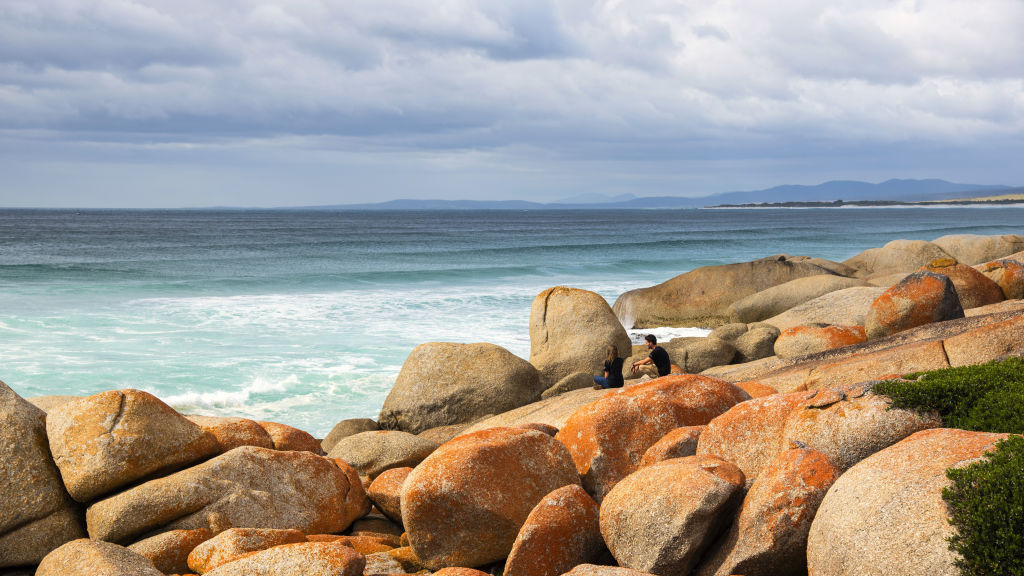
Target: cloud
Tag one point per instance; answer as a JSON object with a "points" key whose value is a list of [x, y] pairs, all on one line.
{"points": [[534, 83]]}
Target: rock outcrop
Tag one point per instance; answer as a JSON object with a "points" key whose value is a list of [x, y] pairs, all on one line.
{"points": [[886, 516], [36, 513], [804, 340], [371, 453], [777, 299], [847, 307], [608, 437], [918, 299], [662, 517], [896, 256], [1008, 275], [973, 288], [443, 383], [569, 331], [111, 439], [975, 249], [466, 503], [702, 296], [246, 487]]}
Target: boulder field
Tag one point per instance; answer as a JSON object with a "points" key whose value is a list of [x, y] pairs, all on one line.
{"points": [[767, 452]]}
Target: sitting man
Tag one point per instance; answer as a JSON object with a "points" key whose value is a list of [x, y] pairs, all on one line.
{"points": [[658, 355]]}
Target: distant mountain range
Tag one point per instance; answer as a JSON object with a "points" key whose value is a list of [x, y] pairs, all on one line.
{"points": [[846, 190]]}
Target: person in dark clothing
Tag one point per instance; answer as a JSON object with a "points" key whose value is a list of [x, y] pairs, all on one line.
{"points": [[612, 370], [658, 356]]}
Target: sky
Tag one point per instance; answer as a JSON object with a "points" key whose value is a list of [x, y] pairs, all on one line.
{"points": [[171, 103]]}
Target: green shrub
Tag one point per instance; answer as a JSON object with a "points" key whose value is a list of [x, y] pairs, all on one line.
{"points": [[986, 503], [987, 398]]}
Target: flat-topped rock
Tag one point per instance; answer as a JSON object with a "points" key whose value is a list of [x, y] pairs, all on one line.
{"points": [[777, 299], [846, 307], [895, 256], [975, 248]]}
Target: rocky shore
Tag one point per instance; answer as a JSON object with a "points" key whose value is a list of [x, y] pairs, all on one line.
{"points": [[766, 452]]}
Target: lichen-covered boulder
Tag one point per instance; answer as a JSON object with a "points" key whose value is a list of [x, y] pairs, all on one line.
{"points": [[111, 439], [235, 543], [920, 298], [570, 329], [896, 256], [371, 453], [976, 248], [244, 488], [1008, 275], [661, 518], [886, 515], [598, 570], [347, 428], [608, 437], [804, 340], [769, 537], [678, 443], [562, 531], [232, 432], [702, 297], [777, 299], [465, 504], [287, 437], [168, 551], [300, 559], [443, 383], [972, 287], [91, 558], [386, 492], [36, 513]]}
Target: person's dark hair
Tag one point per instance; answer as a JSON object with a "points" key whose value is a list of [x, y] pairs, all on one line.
{"points": [[651, 338], [611, 354]]}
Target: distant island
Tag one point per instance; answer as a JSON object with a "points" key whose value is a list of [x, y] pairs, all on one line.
{"points": [[894, 192]]}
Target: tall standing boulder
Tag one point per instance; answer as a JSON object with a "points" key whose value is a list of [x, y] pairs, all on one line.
{"points": [[570, 329], [442, 383], [247, 487], [972, 287], [662, 517], [975, 249], [113, 438], [608, 437], [466, 503], [36, 514], [702, 296], [918, 299], [886, 515]]}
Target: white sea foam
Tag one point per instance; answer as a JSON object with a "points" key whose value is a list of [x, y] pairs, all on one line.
{"points": [[664, 334]]}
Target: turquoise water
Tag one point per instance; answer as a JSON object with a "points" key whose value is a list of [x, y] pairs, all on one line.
{"points": [[305, 317]]}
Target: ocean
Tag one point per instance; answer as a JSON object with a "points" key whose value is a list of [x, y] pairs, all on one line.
{"points": [[305, 316]]}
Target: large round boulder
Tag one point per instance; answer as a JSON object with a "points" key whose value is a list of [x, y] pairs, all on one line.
{"points": [[113, 438], [886, 515], [36, 514], [608, 437], [662, 517], [777, 299], [975, 248], [804, 340], [702, 296], [371, 453], [756, 343], [247, 487], [972, 287], [466, 503], [769, 537], [920, 298], [570, 329], [896, 256], [561, 532], [847, 307], [1008, 275], [347, 428], [443, 383], [287, 437], [703, 353], [232, 432]]}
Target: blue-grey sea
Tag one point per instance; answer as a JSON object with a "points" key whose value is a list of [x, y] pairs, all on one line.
{"points": [[305, 317]]}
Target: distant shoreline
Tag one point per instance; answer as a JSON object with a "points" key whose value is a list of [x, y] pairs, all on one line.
{"points": [[874, 203]]}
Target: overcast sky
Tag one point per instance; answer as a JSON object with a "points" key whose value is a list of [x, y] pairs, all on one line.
{"points": [[165, 103]]}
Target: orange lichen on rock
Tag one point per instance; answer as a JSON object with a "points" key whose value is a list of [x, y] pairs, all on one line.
{"points": [[803, 340], [560, 532], [918, 299], [233, 432], [678, 443], [757, 389], [465, 503], [1008, 275], [287, 437], [235, 543], [169, 551], [300, 559], [608, 437], [974, 288], [386, 492]]}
